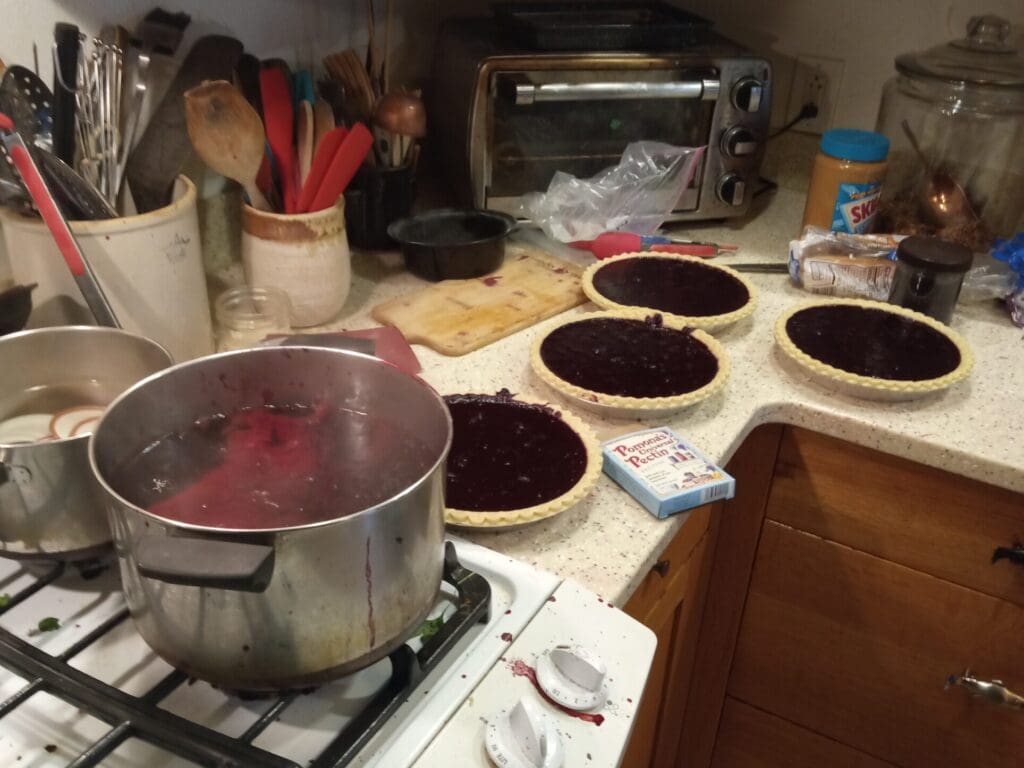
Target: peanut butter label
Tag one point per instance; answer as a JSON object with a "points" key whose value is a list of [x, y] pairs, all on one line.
{"points": [[856, 206]]}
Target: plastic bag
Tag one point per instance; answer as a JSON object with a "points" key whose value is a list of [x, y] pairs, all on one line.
{"points": [[636, 195]]}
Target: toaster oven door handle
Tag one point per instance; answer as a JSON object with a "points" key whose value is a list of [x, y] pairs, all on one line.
{"points": [[524, 92]]}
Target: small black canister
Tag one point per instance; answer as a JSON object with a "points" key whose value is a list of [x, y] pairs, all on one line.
{"points": [[928, 276]]}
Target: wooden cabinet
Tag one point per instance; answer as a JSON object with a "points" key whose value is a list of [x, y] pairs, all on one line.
{"points": [[917, 516], [667, 602], [857, 649], [670, 601], [843, 587], [751, 738]]}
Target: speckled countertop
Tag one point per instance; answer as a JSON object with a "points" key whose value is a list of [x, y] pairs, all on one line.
{"points": [[609, 542]]}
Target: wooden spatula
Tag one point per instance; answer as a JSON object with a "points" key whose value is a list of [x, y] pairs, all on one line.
{"points": [[323, 121], [304, 139], [227, 134]]}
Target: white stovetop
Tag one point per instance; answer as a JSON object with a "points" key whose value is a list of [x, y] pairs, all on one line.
{"points": [[526, 619]]}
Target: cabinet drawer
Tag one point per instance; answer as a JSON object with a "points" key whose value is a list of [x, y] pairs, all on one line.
{"points": [[858, 649], [751, 738], [921, 517]]}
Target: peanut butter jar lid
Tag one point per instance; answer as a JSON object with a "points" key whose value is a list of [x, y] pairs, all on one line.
{"points": [[856, 145]]}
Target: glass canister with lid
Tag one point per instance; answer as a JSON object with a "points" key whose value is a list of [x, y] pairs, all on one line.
{"points": [[963, 104]]}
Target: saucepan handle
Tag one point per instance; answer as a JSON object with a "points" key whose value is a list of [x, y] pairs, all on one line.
{"points": [[233, 565]]}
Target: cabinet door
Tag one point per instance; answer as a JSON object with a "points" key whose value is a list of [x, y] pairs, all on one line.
{"points": [[858, 649], [751, 738], [667, 601], [645, 726]]}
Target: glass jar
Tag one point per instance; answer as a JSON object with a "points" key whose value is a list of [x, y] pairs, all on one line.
{"points": [[246, 316], [929, 274], [963, 102], [846, 181]]}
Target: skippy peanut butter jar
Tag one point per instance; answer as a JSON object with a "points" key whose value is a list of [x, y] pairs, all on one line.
{"points": [[846, 181]]}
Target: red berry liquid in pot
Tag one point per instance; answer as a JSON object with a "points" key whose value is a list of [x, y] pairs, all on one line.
{"points": [[271, 467]]}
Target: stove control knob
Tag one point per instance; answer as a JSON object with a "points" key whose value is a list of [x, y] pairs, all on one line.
{"points": [[738, 142], [747, 94], [732, 189], [524, 738], [573, 677]]}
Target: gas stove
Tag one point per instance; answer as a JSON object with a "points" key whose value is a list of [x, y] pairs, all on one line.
{"points": [[514, 667]]}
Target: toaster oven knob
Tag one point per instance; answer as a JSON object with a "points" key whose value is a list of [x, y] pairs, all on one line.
{"points": [[738, 142], [732, 189], [747, 94]]}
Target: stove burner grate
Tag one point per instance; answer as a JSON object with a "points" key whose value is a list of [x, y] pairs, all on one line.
{"points": [[141, 717]]}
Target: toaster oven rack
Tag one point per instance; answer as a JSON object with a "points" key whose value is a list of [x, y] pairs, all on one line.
{"points": [[141, 716]]}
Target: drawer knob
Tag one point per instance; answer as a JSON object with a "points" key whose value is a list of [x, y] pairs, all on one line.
{"points": [[1014, 554], [661, 567], [991, 690]]}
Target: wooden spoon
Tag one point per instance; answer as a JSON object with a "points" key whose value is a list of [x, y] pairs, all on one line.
{"points": [[227, 134], [304, 139], [323, 121]]}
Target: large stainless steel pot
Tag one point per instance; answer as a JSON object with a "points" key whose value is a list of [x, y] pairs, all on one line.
{"points": [[287, 607], [51, 506]]}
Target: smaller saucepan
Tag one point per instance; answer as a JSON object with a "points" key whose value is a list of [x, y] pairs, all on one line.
{"points": [[453, 244], [53, 384]]}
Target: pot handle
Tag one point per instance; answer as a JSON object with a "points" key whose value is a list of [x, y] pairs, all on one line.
{"points": [[210, 563]]}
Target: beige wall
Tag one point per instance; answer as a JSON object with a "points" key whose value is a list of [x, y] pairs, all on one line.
{"points": [[867, 35]]}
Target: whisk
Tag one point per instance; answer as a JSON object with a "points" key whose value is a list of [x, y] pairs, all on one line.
{"points": [[98, 124]]}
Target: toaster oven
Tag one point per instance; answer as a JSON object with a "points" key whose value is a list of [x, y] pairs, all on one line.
{"points": [[504, 119]]}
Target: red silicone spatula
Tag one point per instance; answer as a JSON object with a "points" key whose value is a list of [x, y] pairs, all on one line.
{"points": [[322, 158], [343, 167], [68, 246], [610, 244], [278, 116]]}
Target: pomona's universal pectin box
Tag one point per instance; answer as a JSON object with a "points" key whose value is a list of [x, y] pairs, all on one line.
{"points": [[664, 472]]}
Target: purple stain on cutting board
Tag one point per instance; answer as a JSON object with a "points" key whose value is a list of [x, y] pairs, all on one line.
{"points": [[491, 281]]}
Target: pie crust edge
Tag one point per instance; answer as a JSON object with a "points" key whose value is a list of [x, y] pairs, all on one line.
{"points": [[513, 517], [704, 322], [819, 368], [666, 403]]}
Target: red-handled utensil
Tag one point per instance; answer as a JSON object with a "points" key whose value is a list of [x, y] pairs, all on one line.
{"points": [[278, 117], [609, 244], [84, 276], [322, 158], [343, 167]]}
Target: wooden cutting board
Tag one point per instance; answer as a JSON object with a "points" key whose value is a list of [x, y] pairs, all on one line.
{"points": [[457, 316]]}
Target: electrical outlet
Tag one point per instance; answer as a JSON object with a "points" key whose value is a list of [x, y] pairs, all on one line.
{"points": [[816, 80]]}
